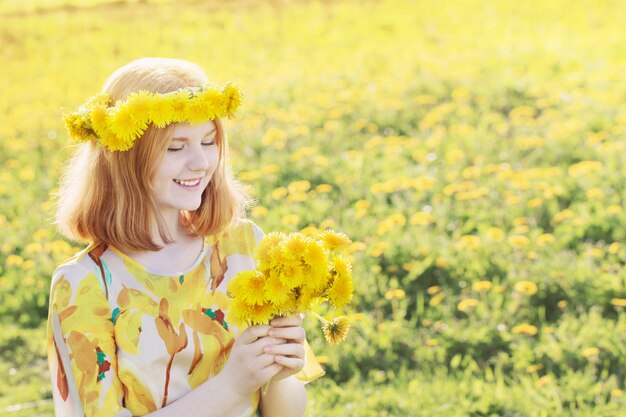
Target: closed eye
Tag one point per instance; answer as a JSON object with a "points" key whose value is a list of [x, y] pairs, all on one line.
{"points": [[181, 147]]}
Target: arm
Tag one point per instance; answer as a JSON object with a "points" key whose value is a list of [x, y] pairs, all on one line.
{"points": [[286, 396]]}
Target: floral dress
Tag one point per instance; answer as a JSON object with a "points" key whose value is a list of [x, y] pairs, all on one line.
{"points": [[125, 341]]}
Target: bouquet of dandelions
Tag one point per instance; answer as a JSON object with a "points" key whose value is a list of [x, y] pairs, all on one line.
{"points": [[295, 272]]}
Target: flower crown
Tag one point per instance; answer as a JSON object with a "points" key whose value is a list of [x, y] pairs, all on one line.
{"points": [[118, 127]]}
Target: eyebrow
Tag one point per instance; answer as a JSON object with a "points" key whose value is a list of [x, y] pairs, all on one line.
{"points": [[185, 138]]}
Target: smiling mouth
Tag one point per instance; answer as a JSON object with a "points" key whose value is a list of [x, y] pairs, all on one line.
{"points": [[188, 183]]}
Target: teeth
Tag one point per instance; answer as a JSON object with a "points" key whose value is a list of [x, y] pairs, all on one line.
{"points": [[188, 183]]}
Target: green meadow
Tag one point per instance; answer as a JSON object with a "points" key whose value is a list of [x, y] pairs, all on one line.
{"points": [[474, 151]]}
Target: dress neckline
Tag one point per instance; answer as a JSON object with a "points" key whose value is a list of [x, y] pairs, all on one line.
{"points": [[156, 272]]}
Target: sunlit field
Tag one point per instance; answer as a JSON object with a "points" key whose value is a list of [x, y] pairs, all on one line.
{"points": [[474, 151]]}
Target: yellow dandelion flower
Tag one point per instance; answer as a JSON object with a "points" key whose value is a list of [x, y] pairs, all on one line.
{"points": [[275, 292], [315, 254], [261, 313], [125, 127], [482, 286], [525, 328], [590, 352], [99, 120], [233, 97], [295, 245], [618, 302], [74, 122], [526, 287], [251, 290], [334, 240], [467, 305], [291, 274], [178, 105], [139, 105], [336, 330], [340, 293], [239, 312], [433, 290]]}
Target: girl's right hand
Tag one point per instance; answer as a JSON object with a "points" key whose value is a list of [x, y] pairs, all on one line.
{"points": [[248, 367]]}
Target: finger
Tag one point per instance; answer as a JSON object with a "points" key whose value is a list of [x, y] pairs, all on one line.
{"points": [[287, 349], [286, 321], [292, 333], [252, 333], [263, 361], [292, 363], [269, 371], [258, 346]]}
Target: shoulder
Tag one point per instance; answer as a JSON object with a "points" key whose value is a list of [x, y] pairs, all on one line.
{"points": [[76, 268], [242, 228], [240, 237]]}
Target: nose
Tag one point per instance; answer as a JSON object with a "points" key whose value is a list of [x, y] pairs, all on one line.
{"points": [[199, 161]]}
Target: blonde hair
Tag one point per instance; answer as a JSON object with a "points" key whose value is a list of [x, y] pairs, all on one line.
{"points": [[107, 197]]}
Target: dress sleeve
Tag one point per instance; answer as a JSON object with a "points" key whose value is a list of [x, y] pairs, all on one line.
{"points": [[81, 347], [312, 369]]}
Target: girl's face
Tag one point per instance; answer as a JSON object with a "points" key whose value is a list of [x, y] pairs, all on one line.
{"points": [[187, 167]]}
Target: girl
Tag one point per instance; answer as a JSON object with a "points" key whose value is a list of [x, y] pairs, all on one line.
{"points": [[138, 321]]}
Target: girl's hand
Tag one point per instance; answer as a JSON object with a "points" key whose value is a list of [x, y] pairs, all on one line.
{"points": [[290, 353], [249, 367]]}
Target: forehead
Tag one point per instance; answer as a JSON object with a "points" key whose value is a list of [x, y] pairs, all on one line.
{"points": [[185, 130]]}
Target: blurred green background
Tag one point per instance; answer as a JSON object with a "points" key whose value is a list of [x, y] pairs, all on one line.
{"points": [[473, 150]]}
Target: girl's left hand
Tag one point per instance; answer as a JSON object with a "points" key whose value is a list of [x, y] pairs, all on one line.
{"points": [[291, 353]]}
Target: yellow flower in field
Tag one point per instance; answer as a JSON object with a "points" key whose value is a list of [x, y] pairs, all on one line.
{"points": [[545, 239], [544, 380], [526, 287], [595, 194], [421, 218], [260, 211], [495, 233], [469, 242], [467, 305], [518, 241], [614, 209], [290, 219], [380, 248], [394, 293], [535, 202], [584, 168], [562, 304], [534, 368], [527, 329], [334, 240], [433, 290], [618, 302], [324, 188], [436, 300], [275, 137], [14, 260], [299, 187], [279, 193], [441, 263], [590, 352], [614, 248], [431, 342], [336, 330], [482, 286], [617, 393]]}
